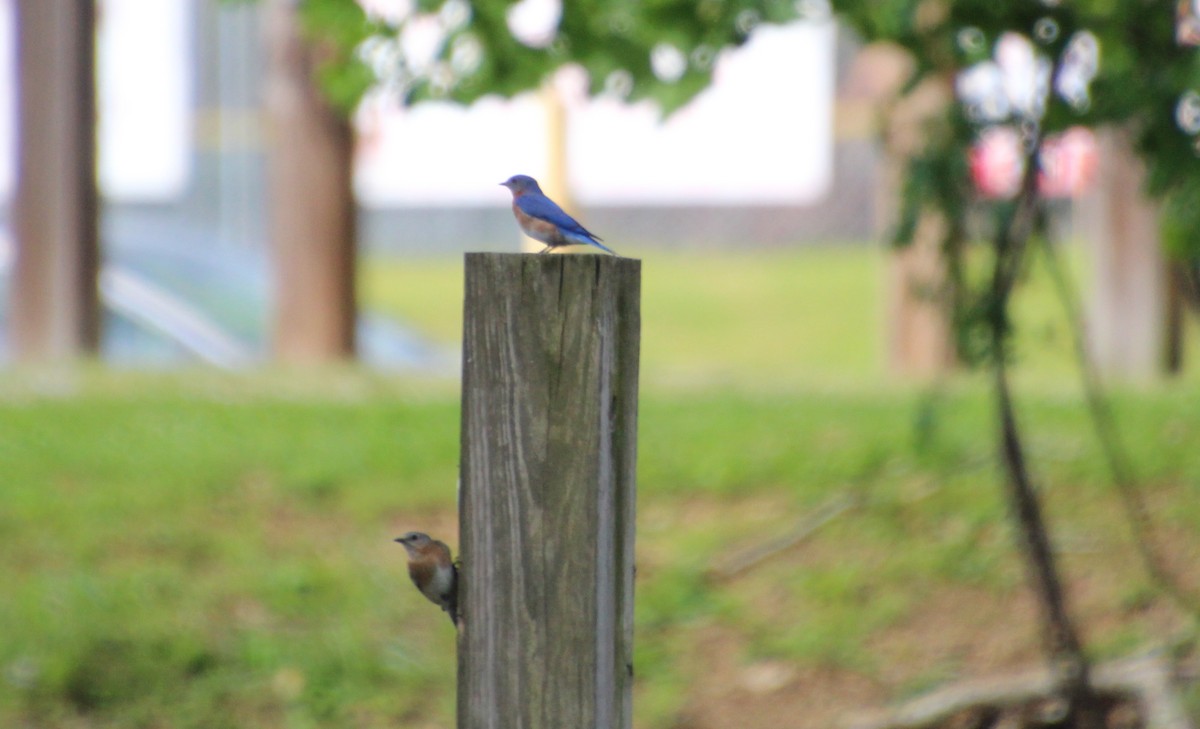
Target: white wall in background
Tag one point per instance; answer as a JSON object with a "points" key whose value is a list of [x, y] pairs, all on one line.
{"points": [[144, 76], [762, 133]]}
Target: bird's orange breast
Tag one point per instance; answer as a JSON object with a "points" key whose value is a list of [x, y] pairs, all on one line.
{"points": [[421, 571], [537, 228]]}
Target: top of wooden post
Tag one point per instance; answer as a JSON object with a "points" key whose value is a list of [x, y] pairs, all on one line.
{"points": [[600, 261]]}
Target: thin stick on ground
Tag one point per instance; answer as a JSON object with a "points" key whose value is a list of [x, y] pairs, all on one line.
{"points": [[747, 560]]}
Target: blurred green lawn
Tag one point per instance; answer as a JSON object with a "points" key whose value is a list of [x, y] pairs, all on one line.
{"points": [[706, 318], [208, 550], [798, 316]]}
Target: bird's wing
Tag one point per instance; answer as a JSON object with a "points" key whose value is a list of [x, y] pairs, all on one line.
{"points": [[451, 606], [543, 208]]}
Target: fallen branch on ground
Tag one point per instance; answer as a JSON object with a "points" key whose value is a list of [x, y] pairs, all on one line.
{"points": [[1148, 680]]}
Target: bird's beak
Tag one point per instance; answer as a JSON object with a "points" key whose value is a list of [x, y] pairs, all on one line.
{"points": [[399, 539]]}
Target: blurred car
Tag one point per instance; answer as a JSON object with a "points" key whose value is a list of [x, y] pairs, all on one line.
{"points": [[174, 296]]}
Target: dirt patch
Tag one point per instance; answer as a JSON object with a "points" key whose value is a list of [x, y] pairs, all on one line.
{"points": [[953, 632], [730, 693]]}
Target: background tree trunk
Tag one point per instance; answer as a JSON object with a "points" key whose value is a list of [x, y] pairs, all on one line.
{"points": [[55, 306], [1127, 320], [920, 340], [312, 215]]}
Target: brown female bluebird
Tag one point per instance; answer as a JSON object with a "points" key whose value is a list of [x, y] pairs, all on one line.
{"points": [[542, 219], [432, 571]]}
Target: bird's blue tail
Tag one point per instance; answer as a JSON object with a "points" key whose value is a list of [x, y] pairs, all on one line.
{"points": [[584, 240]]}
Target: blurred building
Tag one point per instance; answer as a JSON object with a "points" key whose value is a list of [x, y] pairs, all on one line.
{"points": [[754, 161]]}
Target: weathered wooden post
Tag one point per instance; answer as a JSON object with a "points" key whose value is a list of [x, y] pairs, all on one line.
{"points": [[549, 446]]}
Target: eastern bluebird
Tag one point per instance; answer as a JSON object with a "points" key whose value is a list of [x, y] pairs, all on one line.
{"points": [[542, 219], [432, 571]]}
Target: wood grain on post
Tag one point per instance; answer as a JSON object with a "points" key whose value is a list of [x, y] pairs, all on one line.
{"points": [[549, 445]]}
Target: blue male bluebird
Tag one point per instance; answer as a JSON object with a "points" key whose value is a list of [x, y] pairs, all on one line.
{"points": [[543, 220], [432, 571]]}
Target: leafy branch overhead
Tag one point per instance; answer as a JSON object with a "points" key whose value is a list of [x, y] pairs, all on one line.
{"points": [[665, 51], [1090, 64], [1139, 78], [460, 50]]}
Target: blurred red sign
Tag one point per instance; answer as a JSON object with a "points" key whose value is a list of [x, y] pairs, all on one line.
{"points": [[1068, 163], [1187, 23]]}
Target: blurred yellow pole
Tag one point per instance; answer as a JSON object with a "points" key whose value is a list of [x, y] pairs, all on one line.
{"points": [[554, 179]]}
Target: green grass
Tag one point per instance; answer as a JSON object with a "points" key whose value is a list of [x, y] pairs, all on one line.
{"points": [[205, 550], [795, 317], [176, 552], [184, 554], [705, 318]]}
